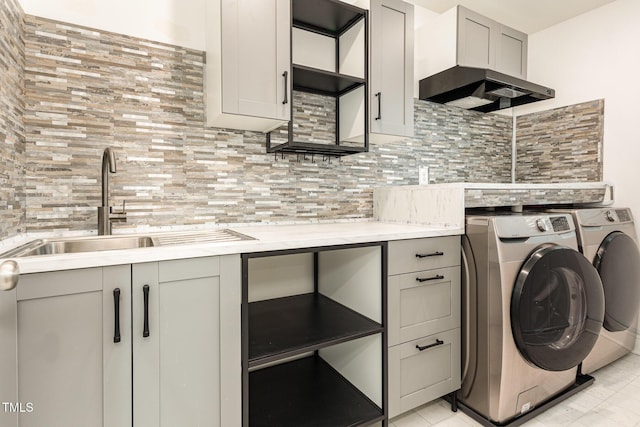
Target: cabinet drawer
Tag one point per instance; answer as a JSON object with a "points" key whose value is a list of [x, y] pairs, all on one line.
{"points": [[423, 303], [417, 377], [406, 256]]}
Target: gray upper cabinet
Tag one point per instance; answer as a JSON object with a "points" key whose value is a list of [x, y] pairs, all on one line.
{"points": [[391, 94], [248, 80], [511, 52], [461, 36], [485, 43], [476, 39]]}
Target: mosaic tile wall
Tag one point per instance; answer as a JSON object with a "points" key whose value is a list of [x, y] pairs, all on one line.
{"points": [[12, 148], [87, 89], [559, 145]]}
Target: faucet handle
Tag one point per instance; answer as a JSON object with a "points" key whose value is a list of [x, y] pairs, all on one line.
{"points": [[118, 216]]}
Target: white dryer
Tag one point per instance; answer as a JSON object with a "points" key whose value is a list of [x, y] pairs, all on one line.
{"points": [[607, 238], [533, 307]]}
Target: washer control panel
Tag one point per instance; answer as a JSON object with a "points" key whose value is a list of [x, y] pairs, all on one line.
{"points": [[560, 223], [530, 225]]}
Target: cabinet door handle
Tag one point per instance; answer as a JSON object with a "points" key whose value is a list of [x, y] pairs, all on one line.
{"points": [[438, 253], [426, 279], [145, 292], [424, 347], [379, 96], [286, 85], [116, 308]]}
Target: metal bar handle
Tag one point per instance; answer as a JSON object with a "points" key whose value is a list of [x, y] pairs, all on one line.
{"points": [[426, 279], [437, 253], [116, 308], [424, 347], [286, 85], [145, 292], [379, 96]]}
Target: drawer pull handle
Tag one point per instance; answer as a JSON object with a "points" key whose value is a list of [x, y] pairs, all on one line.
{"points": [[145, 326], [438, 253], [426, 279], [424, 347], [116, 309]]}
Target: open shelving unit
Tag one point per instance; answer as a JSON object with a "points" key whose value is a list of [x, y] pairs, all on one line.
{"points": [[331, 19], [294, 346]]}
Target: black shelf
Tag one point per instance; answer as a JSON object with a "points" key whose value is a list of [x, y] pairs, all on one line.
{"points": [[289, 326], [307, 393], [329, 17], [314, 80], [296, 147]]}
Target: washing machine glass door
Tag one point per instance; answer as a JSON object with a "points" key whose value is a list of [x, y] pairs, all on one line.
{"points": [[557, 308], [618, 263]]}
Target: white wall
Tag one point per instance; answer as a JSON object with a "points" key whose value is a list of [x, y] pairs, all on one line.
{"points": [[179, 22]]}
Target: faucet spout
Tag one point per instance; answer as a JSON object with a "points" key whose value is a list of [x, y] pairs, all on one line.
{"points": [[108, 165], [105, 215]]}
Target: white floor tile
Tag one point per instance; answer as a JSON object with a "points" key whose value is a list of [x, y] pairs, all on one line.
{"points": [[410, 419], [436, 411], [612, 401]]}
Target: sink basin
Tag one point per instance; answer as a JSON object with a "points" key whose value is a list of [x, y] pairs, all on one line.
{"points": [[109, 243], [82, 244]]}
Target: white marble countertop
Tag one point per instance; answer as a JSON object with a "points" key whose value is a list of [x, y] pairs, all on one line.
{"points": [[267, 238]]}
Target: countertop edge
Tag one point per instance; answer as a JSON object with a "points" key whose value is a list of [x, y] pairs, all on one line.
{"points": [[268, 238]]}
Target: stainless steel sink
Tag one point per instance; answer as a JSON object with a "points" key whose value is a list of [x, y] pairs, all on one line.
{"points": [[82, 244], [108, 243]]}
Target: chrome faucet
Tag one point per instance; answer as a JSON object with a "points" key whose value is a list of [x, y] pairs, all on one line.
{"points": [[105, 214]]}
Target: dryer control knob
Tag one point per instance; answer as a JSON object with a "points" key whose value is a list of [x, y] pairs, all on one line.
{"points": [[610, 216], [541, 225]]}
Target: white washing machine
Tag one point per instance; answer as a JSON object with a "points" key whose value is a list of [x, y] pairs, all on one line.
{"points": [[532, 310], [607, 238]]}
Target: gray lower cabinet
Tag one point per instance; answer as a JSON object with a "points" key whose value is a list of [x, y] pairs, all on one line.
{"points": [[424, 321], [76, 365]]}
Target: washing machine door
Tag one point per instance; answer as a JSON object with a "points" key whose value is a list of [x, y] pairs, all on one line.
{"points": [[557, 308], [618, 263]]}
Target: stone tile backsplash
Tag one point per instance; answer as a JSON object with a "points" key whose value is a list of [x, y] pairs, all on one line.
{"points": [[560, 145], [86, 89], [12, 147]]}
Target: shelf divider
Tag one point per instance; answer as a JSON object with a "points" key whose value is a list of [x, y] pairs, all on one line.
{"points": [[323, 82], [285, 327]]}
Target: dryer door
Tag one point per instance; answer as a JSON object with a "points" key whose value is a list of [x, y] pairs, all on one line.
{"points": [[557, 308], [618, 263]]}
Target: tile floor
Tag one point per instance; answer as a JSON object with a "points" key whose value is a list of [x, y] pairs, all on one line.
{"points": [[612, 400]]}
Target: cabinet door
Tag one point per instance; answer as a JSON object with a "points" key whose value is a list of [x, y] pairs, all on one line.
{"points": [[391, 94], [423, 370], [477, 39], [423, 303], [255, 57], [188, 359], [511, 53], [69, 370]]}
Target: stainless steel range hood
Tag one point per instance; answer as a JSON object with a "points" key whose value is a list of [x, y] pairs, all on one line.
{"points": [[480, 89]]}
